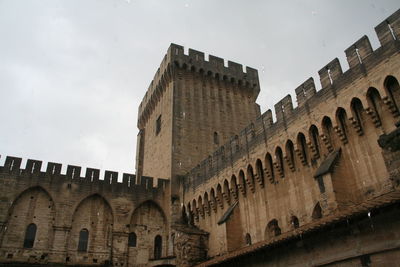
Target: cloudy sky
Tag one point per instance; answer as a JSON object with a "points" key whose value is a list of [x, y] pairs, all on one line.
{"points": [[72, 73]]}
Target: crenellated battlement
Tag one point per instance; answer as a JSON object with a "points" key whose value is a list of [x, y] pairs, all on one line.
{"points": [[361, 59], [52, 174], [195, 61]]}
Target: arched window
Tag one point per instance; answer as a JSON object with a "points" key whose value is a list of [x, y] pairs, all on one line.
{"points": [[295, 222], [248, 239], [327, 130], [234, 186], [273, 229], [341, 117], [132, 239], [314, 136], [206, 202], [190, 214], [200, 205], [357, 110], [184, 218], [393, 91], [227, 191], [157, 247], [83, 240], [242, 182], [30, 235], [374, 101], [290, 153], [260, 170], [279, 159], [250, 174], [220, 196], [302, 146], [317, 212], [270, 167], [216, 138]]}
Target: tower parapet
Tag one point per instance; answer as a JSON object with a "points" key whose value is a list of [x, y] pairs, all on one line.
{"points": [[195, 61]]}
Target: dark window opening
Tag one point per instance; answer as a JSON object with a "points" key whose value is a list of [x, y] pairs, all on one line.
{"points": [[248, 239], [295, 222], [158, 125], [315, 139], [270, 167], [157, 247], [342, 120], [317, 212], [365, 261], [321, 184], [216, 138], [279, 159], [273, 228], [83, 240], [30, 235], [132, 240]]}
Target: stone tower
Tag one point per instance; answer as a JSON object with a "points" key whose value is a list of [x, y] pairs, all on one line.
{"points": [[192, 107]]}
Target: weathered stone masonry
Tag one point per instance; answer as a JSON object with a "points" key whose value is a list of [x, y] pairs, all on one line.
{"points": [[319, 186]]}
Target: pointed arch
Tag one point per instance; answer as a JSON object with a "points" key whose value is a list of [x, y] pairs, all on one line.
{"points": [[392, 89], [317, 212], [234, 186], [213, 199], [219, 195], [250, 175], [357, 111], [302, 147], [200, 205], [279, 160], [328, 134], [248, 239], [314, 137], [341, 120], [242, 182], [35, 207], [272, 229], [375, 102], [289, 147], [206, 202], [295, 222], [260, 171], [269, 165], [227, 191], [93, 213]]}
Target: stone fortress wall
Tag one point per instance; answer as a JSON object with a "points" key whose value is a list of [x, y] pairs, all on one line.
{"points": [[61, 205], [315, 160], [272, 182]]}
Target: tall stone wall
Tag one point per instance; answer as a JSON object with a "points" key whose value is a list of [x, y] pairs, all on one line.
{"points": [[62, 205], [315, 160], [201, 104]]}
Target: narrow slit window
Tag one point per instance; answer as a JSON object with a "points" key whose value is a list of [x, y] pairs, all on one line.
{"points": [[158, 125]]}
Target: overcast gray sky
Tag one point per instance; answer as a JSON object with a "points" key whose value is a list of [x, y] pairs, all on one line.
{"points": [[72, 73]]}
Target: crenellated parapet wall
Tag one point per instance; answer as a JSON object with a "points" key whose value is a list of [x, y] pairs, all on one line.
{"points": [[32, 174], [195, 61], [62, 205], [361, 58]]}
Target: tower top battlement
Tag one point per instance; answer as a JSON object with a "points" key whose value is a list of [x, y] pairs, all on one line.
{"points": [[195, 61]]}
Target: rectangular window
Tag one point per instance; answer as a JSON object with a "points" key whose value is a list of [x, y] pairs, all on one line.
{"points": [[158, 125]]}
